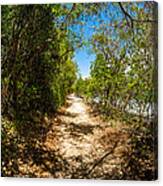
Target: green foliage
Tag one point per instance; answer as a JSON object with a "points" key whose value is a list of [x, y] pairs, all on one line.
{"points": [[37, 67], [122, 80], [38, 72]]}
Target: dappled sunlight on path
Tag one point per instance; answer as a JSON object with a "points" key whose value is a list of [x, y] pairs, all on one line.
{"points": [[73, 143], [85, 139]]}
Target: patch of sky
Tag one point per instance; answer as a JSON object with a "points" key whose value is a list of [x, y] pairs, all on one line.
{"points": [[83, 58], [95, 24]]}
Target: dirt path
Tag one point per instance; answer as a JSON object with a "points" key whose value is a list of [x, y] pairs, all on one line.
{"points": [[75, 143], [84, 140]]}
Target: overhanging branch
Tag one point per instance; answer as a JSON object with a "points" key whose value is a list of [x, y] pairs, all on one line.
{"points": [[132, 20]]}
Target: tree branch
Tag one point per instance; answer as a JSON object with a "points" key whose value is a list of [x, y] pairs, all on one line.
{"points": [[72, 9], [101, 159], [132, 20], [127, 15]]}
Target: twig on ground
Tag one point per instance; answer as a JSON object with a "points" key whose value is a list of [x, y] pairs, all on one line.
{"points": [[101, 159]]}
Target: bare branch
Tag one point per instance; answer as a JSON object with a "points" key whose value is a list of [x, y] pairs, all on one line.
{"points": [[127, 15], [101, 159], [132, 20]]}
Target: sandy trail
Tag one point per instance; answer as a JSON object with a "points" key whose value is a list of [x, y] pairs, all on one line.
{"points": [[79, 129], [72, 145], [85, 139]]}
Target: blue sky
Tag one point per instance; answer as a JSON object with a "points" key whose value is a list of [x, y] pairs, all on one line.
{"points": [[83, 58]]}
